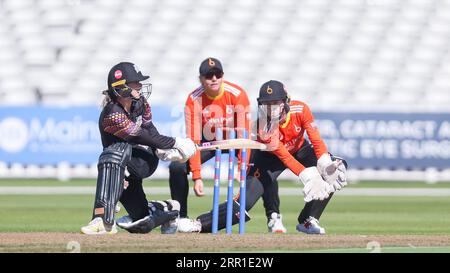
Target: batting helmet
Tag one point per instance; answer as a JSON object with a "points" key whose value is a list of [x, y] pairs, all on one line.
{"points": [[120, 75]]}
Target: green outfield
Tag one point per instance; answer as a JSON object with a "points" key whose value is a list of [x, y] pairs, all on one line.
{"points": [[164, 183], [345, 215]]}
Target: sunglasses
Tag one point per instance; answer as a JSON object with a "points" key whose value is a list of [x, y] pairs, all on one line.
{"points": [[210, 75]]}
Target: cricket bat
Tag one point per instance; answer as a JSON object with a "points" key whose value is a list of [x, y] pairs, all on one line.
{"points": [[238, 143]]}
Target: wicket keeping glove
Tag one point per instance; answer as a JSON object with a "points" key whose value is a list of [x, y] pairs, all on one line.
{"points": [[332, 171], [315, 188], [341, 180]]}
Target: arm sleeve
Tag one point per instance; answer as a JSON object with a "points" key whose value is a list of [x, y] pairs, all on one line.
{"points": [[281, 152], [119, 125], [307, 122], [288, 160], [192, 115]]}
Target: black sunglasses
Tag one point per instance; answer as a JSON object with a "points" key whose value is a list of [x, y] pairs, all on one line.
{"points": [[210, 75]]}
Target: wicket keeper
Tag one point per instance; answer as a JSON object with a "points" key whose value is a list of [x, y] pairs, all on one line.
{"points": [[283, 123]]}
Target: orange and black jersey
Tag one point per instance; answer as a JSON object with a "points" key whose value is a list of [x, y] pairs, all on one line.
{"points": [[117, 125], [203, 114], [291, 136]]}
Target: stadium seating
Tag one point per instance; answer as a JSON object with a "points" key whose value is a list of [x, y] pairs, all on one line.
{"points": [[334, 54], [374, 52]]}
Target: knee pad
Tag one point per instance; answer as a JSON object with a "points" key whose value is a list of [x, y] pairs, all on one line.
{"points": [[160, 212], [163, 212], [144, 225]]}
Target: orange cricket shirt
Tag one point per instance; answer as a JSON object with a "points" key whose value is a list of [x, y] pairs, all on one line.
{"points": [[203, 114], [290, 136]]}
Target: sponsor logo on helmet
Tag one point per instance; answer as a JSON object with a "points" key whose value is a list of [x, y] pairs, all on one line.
{"points": [[269, 90], [211, 62], [118, 74]]}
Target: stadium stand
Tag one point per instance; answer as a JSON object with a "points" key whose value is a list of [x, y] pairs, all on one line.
{"points": [[391, 54], [352, 55]]}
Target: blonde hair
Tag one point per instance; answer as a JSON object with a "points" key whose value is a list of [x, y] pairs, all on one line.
{"points": [[106, 99]]}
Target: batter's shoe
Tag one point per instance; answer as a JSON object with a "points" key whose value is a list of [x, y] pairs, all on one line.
{"points": [[311, 226], [186, 225], [97, 227], [275, 224]]}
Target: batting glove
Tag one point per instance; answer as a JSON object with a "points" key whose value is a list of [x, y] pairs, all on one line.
{"points": [[186, 147], [170, 155]]}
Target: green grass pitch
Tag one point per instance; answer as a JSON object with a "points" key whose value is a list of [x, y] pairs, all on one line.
{"points": [[345, 215]]}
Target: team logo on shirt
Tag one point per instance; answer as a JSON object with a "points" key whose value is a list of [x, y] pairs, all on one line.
{"points": [[297, 128]]}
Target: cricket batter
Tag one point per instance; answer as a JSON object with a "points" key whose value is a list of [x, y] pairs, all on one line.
{"points": [[129, 141], [216, 105]]}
